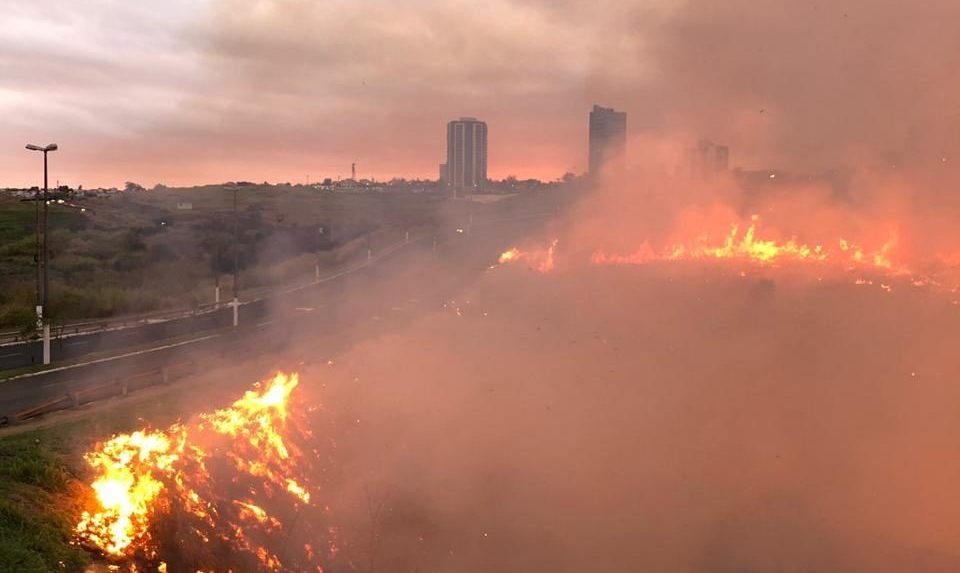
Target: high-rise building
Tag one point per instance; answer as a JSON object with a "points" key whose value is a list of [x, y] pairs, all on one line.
{"points": [[466, 169], [707, 159], [608, 140]]}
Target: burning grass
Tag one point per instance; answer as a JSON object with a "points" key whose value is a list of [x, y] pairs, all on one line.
{"points": [[46, 484], [750, 245], [753, 246], [41, 494], [231, 489], [538, 259]]}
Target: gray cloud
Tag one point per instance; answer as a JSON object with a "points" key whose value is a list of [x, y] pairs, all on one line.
{"points": [[199, 91]]}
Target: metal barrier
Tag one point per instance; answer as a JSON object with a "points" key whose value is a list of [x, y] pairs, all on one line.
{"points": [[120, 386], [87, 326]]}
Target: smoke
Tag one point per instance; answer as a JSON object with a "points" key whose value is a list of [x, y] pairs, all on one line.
{"points": [[906, 211], [801, 87], [639, 417], [669, 417], [642, 419], [628, 418], [810, 86]]}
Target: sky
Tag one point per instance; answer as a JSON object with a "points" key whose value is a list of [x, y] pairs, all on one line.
{"points": [[197, 91]]}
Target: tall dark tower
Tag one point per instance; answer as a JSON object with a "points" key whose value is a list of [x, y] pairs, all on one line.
{"points": [[708, 159], [608, 141], [466, 169]]}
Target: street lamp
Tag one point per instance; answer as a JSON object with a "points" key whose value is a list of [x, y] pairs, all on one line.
{"points": [[236, 260], [43, 305]]}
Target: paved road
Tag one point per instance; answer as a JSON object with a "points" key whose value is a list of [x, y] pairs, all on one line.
{"points": [[12, 344], [396, 289], [75, 346]]}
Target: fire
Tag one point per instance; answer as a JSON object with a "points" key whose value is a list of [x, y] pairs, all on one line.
{"points": [[748, 246], [749, 243], [540, 259], [220, 485], [509, 255], [130, 466]]}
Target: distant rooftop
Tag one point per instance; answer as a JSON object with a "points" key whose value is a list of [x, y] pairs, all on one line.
{"points": [[601, 109]]}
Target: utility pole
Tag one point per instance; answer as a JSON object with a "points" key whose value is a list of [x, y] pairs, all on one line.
{"points": [[236, 260], [46, 261], [44, 306], [38, 301], [316, 252]]}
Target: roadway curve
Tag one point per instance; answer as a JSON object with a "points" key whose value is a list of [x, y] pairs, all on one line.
{"points": [[409, 281]]}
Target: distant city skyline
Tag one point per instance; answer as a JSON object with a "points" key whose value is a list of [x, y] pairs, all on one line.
{"points": [[209, 90], [198, 91]]}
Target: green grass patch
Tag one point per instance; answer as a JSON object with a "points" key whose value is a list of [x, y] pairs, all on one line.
{"points": [[38, 505], [137, 252], [42, 490]]}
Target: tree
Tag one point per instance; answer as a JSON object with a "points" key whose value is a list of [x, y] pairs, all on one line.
{"points": [[131, 187]]}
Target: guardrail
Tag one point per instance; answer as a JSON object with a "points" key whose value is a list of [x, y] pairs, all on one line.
{"points": [[87, 326], [119, 386], [123, 385]]}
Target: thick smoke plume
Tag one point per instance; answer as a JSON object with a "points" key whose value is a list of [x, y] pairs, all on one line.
{"points": [[673, 416], [810, 85], [637, 418]]}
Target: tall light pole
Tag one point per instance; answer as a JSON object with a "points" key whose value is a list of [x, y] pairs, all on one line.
{"points": [[36, 256], [44, 306], [236, 261]]}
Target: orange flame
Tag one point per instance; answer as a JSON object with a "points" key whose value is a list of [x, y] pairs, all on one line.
{"points": [[509, 255], [751, 244], [144, 475], [130, 466], [540, 260], [749, 247]]}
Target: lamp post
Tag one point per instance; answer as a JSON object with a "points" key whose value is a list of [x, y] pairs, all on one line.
{"points": [[236, 261], [36, 256], [43, 305]]}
